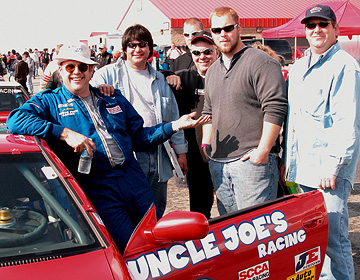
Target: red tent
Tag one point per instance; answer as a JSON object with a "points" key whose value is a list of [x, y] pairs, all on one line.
{"points": [[347, 14]]}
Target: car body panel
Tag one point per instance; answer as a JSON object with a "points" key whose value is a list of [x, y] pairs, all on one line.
{"points": [[281, 239], [272, 239], [92, 265]]}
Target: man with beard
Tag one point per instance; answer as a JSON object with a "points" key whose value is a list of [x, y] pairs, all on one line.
{"points": [[245, 95]]}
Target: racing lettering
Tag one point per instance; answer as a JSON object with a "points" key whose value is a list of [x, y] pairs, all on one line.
{"points": [[157, 264], [260, 271], [281, 242], [178, 256], [9, 90], [258, 228]]}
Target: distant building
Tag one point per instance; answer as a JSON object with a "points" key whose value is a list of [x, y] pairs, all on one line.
{"points": [[165, 18]]}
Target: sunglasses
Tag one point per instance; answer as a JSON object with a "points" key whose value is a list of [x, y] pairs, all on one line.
{"points": [[205, 52], [188, 35], [321, 24], [142, 44], [71, 67], [227, 29]]}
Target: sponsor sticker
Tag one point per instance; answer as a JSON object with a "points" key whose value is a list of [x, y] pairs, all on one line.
{"points": [[308, 274], [114, 110], [99, 220], [49, 172], [256, 272], [307, 259]]}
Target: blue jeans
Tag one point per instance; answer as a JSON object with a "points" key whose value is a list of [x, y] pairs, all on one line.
{"points": [[240, 184], [338, 263], [149, 163]]}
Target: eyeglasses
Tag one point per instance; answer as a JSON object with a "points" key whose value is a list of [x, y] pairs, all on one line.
{"points": [[142, 44], [71, 67], [227, 29], [321, 24], [205, 52], [192, 34]]}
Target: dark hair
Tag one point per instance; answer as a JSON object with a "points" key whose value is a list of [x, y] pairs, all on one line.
{"points": [[137, 32]]}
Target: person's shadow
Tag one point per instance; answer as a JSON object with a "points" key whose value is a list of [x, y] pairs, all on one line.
{"points": [[230, 145]]}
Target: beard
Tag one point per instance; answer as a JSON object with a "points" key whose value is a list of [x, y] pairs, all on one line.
{"points": [[230, 46]]}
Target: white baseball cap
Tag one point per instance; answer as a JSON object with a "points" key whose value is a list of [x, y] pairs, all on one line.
{"points": [[78, 52]]}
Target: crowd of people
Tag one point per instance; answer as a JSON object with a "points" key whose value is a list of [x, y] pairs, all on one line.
{"points": [[232, 102]]}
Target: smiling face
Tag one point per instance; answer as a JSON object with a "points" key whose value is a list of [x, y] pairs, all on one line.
{"points": [[203, 61], [228, 43], [136, 57], [77, 82], [321, 38]]}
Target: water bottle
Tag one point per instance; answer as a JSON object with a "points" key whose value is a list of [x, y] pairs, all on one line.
{"points": [[84, 163]]}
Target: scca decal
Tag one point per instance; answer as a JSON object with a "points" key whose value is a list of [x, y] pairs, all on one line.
{"points": [[176, 257], [307, 259], [308, 274], [256, 272]]}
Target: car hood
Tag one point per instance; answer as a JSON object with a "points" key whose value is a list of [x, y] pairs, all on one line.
{"points": [[93, 265]]}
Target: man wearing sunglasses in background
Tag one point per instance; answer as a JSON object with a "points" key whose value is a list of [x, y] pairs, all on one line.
{"points": [[103, 57], [245, 95], [77, 117], [322, 136], [185, 61], [151, 96], [191, 99]]}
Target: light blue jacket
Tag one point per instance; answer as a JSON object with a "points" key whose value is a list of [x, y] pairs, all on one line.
{"points": [[323, 125], [166, 109]]}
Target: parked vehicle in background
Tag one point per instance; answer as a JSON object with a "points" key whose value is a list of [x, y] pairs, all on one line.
{"points": [[299, 53], [12, 95], [50, 230], [280, 46]]}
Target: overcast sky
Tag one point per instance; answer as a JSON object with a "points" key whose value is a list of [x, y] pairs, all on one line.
{"points": [[45, 23]]}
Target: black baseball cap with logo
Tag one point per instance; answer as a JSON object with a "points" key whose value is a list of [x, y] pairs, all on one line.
{"points": [[203, 36], [320, 11]]}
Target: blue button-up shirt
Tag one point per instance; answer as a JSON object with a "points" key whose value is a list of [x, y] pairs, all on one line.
{"points": [[322, 134]]}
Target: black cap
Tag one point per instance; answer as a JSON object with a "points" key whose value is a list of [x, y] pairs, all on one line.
{"points": [[320, 11], [19, 57], [203, 36]]}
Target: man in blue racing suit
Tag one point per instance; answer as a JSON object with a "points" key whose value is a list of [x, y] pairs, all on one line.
{"points": [[77, 117]]}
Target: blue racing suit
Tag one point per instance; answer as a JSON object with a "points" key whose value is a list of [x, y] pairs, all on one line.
{"points": [[120, 193]]}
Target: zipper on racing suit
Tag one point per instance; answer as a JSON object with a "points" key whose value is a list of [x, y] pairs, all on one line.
{"points": [[107, 150]]}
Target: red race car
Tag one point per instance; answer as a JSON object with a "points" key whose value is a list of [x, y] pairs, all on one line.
{"points": [[50, 230]]}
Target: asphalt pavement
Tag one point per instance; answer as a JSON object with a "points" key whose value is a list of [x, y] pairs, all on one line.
{"points": [[178, 199]]}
